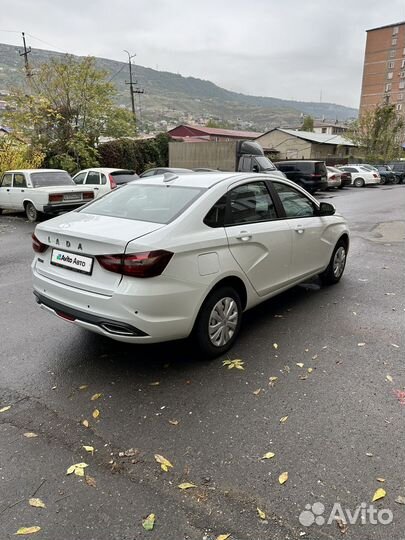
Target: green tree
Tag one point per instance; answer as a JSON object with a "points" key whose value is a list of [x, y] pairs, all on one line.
{"points": [[223, 124], [15, 154], [307, 124], [379, 133], [70, 104]]}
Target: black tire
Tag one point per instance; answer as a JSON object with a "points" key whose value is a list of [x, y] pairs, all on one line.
{"points": [[330, 276], [382, 181], [396, 180], [1, 211], [31, 212], [358, 182], [201, 328]]}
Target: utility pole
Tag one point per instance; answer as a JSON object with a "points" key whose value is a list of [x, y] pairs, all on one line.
{"points": [[26, 52], [132, 85]]}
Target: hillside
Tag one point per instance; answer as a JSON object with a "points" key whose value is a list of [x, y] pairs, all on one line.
{"points": [[171, 98]]}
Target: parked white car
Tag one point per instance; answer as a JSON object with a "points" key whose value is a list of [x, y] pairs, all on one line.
{"points": [[334, 177], [362, 176], [173, 255], [103, 179], [41, 191]]}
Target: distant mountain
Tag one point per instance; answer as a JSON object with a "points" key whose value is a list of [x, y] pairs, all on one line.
{"points": [[169, 98]]}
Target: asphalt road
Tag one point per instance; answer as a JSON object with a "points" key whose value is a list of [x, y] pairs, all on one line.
{"points": [[345, 425]]}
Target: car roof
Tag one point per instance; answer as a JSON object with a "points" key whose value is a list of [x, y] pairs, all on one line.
{"points": [[103, 169], [206, 180], [34, 170]]}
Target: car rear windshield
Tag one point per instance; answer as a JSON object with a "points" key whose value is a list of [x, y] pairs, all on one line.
{"points": [[143, 202], [45, 179], [122, 177]]}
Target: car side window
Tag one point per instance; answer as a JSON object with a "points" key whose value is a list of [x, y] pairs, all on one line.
{"points": [[295, 203], [103, 178], [149, 173], [6, 181], [216, 216], [249, 203], [79, 178], [19, 181], [93, 177]]}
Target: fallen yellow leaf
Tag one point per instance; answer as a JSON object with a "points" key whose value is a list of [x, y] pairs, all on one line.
{"points": [[77, 468], [149, 522], [85, 423], [380, 479], [173, 422], [95, 413], [4, 409], [275, 345], [28, 530], [360, 344], [30, 435], [186, 485], [389, 378], [257, 392], [90, 481], [83, 387], [223, 537], [379, 494], [268, 455], [310, 370], [283, 477], [165, 464], [300, 364], [262, 515], [273, 379], [95, 396], [36, 503], [283, 419], [89, 449], [156, 383], [237, 364]]}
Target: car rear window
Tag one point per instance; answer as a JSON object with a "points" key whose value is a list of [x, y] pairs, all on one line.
{"points": [[320, 168], [142, 202], [45, 179], [122, 177]]}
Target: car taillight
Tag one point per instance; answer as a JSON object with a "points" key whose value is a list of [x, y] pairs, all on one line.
{"points": [[56, 197], [113, 183], [333, 177], [315, 175], [37, 245], [375, 175], [141, 265], [87, 195]]}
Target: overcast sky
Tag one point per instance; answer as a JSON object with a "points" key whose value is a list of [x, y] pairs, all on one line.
{"points": [[292, 49]]}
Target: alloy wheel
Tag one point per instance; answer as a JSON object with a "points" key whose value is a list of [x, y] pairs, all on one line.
{"points": [[339, 261], [223, 321]]}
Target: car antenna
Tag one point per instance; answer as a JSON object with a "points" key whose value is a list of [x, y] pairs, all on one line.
{"points": [[169, 177]]}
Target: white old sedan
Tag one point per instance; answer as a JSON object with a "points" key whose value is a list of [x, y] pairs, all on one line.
{"points": [[171, 256]]}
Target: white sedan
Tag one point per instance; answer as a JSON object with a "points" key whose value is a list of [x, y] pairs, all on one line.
{"points": [[103, 179], [171, 256], [362, 176]]}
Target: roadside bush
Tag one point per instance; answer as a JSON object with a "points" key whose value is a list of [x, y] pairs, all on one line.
{"points": [[18, 155], [135, 154]]}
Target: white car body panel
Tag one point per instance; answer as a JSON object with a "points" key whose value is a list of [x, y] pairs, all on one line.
{"points": [[165, 307]]}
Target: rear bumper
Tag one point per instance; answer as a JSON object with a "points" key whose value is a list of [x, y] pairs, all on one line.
{"points": [[159, 309], [56, 209]]}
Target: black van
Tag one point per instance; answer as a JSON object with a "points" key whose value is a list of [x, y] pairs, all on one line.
{"points": [[311, 175]]}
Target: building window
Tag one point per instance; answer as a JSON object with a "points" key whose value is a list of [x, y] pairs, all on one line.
{"points": [[391, 65], [389, 75], [388, 87], [401, 85], [403, 52], [402, 75], [392, 54], [400, 96], [394, 41], [323, 130], [403, 63], [395, 30], [399, 106]]}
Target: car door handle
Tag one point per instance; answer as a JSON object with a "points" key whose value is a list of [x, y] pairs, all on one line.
{"points": [[7, 189], [244, 236], [22, 191], [299, 229]]}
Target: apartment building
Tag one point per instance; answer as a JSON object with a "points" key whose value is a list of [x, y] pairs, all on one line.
{"points": [[384, 67]]}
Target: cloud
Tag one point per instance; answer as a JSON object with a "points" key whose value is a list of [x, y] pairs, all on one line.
{"points": [[289, 49]]}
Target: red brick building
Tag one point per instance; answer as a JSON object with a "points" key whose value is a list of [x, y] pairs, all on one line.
{"points": [[384, 67]]}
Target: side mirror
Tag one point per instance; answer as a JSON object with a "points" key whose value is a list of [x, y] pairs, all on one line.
{"points": [[326, 209]]}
